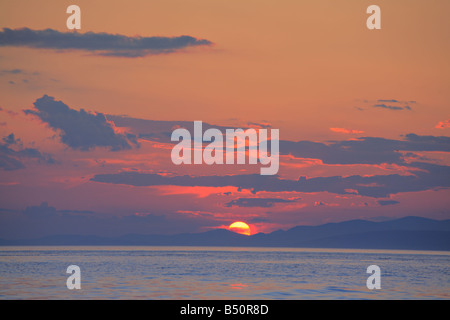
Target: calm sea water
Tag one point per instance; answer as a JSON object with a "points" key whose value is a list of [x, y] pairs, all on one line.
{"points": [[221, 273]]}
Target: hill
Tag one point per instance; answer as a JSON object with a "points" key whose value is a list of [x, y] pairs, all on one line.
{"points": [[409, 233]]}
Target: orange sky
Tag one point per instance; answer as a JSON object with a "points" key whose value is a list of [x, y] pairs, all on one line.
{"points": [[310, 68], [302, 65]]}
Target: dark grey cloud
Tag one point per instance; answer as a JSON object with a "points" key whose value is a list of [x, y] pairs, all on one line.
{"points": [[257, 202], [387, 202], [388, 100], [98, 43], [12, 154], [387, 107], [42, 211], [415, 142], [393, 104], [391, 107], [80, 129], [395, 101], [378, 186], [158, 130], [387, 104], [365, 150]]}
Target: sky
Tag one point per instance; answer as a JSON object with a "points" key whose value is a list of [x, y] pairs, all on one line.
{"points": [[86, 115]]}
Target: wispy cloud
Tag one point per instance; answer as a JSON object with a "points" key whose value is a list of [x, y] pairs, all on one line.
{"points": [[393, 104], [347, 131], [103, 44], [391, 107], [396, 101], [387, 202], [378, 186], [257, 202], [387, 104], [11, 71]]}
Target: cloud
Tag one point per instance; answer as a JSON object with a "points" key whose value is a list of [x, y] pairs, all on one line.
{"points": [[343, 130], [42, 211], [259, 125], [9, 163], [18, 71], [11, 71], [161, 130], [387, 104], [103, 44], [364, 150], [10, 140], [324, 204], [80, 129], [426, 143], [387, 202], [395, 101], [391, 107], [84, 130], [259, 220], [256, 202], [12, 152], [377, 186], [19, 76], [388, 100], [392, 104], [443, 124]]}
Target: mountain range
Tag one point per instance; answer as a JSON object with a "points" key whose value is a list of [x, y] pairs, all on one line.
{"points": [[409, 233]]}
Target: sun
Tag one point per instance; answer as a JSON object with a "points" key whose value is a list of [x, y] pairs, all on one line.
{"points": [[240, 227]]}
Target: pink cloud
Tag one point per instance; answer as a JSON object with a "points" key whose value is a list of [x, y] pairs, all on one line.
{"points": [[198, 191], [347, 131], [321, 203], [443, 124]]}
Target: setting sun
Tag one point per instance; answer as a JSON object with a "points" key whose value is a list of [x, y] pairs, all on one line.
{"points": [[240, 227]]}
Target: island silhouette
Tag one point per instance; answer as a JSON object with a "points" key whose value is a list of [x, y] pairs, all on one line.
{"points": [[408, 233]]}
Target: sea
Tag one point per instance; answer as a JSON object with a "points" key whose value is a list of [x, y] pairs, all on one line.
{"points": [[176, 273]]}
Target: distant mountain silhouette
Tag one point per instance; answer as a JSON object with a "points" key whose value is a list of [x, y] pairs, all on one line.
{"points": [[409, 233]]}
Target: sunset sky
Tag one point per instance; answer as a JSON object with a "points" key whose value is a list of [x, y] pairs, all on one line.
{"points": [[86, 116]]}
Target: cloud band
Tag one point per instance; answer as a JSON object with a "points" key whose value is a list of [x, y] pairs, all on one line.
{"points": [[99, 43]]}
